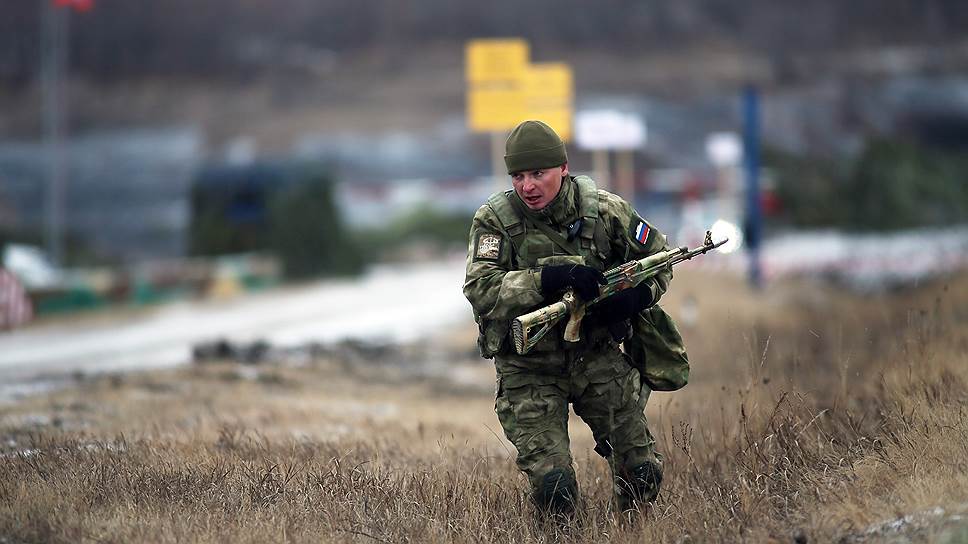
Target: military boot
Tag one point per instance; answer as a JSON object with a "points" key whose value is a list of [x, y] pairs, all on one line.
{"points": [[557, 493], [638, 485]]}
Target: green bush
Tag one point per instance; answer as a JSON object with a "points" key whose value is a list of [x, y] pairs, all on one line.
{"points": [[895, 185], [809, 189], [423, 225], [307, 234], [890, 185], [287, 209]]}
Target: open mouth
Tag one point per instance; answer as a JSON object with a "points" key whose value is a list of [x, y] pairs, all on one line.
{"points": [[532, 199]]}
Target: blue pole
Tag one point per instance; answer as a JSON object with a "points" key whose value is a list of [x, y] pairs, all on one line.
{"points": [[751, 162]]}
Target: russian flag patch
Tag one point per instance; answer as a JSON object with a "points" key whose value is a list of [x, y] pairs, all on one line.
{"points": [[642, 232]]}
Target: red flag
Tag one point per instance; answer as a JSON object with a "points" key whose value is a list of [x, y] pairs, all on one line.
{"points": [[78, 5]]}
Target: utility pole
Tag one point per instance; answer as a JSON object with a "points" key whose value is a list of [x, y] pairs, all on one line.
{"points": [[53, 62], [498, 168], [751, 160]]}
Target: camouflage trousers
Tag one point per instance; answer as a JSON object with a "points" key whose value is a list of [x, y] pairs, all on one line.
{"points": [[606, 393]]}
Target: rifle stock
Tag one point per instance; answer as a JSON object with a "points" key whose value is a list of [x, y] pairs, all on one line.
{"points": [[528, 329]]}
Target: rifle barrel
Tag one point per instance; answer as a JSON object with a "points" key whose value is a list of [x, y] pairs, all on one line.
{"points": [[701, 250]]}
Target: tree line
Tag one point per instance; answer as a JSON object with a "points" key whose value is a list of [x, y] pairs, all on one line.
{"points": [[121, 39]]}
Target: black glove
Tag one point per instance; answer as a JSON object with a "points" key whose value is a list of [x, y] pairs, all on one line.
{"points": [[584, 279], [621, 306]]}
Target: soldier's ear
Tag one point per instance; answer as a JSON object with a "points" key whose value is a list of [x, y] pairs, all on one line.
{"points": [[564, 169]]}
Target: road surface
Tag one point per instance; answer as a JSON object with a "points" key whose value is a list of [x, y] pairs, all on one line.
{"points": [[399, 303]]}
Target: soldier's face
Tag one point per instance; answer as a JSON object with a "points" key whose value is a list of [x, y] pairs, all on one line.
{"points": [[537, 188]]}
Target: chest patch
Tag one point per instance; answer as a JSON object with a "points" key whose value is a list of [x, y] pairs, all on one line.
{"points": [[640, 231], [488, 247]]}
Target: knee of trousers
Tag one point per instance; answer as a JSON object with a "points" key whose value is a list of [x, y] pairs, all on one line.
{"points": [[535, 420]]}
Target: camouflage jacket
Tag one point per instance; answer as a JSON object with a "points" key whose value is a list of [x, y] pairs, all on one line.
{"points": [[505, 255]]}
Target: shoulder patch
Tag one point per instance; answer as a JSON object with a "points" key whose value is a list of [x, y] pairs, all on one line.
{"points": [[640, 231], [488, 247]]}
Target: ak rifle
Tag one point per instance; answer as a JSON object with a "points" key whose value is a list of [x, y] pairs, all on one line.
{"points": [[528, 329]]}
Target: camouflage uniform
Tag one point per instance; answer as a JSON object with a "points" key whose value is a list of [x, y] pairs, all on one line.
{"points": [[503, 281]]}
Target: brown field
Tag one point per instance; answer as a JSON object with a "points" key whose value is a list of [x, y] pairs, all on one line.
{"points": [[813, 415]]}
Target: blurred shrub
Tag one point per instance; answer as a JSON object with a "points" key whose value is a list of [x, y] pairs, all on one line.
{"points": [[230, 207], [424, 225], [891, 184], [898, 185], [809, 189], [286, 210], [307, 234]]}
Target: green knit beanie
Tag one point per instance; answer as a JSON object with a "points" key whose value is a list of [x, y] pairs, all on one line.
{"points": [[533, 145]]}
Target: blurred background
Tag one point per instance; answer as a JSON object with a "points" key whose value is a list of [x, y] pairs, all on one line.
{"points": [[263, 207], [175, 173]]}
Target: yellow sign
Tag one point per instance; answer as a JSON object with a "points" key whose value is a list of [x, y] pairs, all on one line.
{"points": [[495, 107], [551, 80], [504, 88], [560, 120], [549, 95], [490, 60]]}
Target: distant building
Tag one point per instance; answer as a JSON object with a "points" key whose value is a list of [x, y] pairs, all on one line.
{"points": [[126, 194]]}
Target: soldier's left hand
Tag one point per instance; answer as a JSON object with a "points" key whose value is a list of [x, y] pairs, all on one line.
{"points": [[584, 279]]}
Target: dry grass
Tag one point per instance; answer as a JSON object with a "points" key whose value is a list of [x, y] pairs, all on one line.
{"points": [[813, 415]]}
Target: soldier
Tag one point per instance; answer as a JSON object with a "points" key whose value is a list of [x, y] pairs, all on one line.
{"points": [[555, 231]]}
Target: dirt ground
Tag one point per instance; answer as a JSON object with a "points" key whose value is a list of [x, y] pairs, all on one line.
{"points": [[813, 415]]}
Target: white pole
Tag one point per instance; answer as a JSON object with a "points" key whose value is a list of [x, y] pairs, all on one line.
{"points": [[600, 167], [625, 175]]}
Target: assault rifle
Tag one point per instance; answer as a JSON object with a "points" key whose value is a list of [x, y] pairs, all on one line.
{"points": [[527, 329]]}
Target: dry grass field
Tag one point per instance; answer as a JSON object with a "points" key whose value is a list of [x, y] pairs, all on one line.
{"points": [[814, 415]]}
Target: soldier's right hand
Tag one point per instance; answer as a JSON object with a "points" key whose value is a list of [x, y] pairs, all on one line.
{"points": [[583, 279], [621, 306]]}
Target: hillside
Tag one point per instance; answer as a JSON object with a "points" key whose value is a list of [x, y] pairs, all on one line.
{"points": [[120, 39], [813, 415]]}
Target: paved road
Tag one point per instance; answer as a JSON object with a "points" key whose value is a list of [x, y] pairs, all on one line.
{"points": [[392, 303], [405, 303]]}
